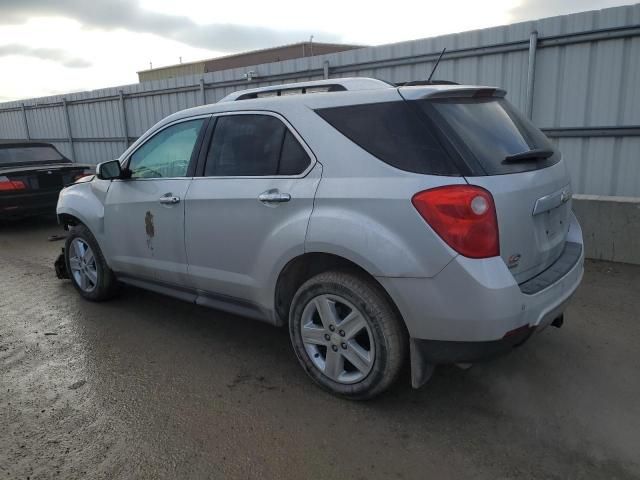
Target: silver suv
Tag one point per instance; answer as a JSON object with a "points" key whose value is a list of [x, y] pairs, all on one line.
{"points": [[379, 223]]}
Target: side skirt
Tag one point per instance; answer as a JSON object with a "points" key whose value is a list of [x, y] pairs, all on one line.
{"points": [[215, 301]]}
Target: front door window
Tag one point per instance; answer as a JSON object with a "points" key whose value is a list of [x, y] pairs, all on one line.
{"points": [[166, 154]]}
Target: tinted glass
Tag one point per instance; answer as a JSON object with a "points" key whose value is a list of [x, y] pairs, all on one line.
{"points": [[395, 132], [245, 145], [10, 155], [253, 145], [293, 160], [166, 154], [488, 130]]}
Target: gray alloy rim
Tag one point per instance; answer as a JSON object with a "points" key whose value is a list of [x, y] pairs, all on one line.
{"points": [[337, 338], [82, 263]]}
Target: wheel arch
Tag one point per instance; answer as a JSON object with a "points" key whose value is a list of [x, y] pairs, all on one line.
{"points": [[301, 268], [72, 219], [69, 220]]}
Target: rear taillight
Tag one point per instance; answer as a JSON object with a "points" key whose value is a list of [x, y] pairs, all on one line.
{"points": [[7, 184], [80, 175], [464, 216]]}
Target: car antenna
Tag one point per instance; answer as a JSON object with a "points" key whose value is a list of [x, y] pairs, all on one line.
{"points": [[436, 65]]}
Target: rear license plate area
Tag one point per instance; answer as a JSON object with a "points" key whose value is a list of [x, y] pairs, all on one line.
{"points": [[49, 180], [555, 222]]}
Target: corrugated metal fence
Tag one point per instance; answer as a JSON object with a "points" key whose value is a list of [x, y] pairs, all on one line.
{"points": [[577, 76]]}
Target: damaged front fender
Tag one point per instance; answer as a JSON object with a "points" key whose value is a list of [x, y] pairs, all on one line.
{"points": [[85, 203]]}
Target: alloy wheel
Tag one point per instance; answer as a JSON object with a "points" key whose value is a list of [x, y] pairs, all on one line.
{"points": [[82, 263], [337, 338]]}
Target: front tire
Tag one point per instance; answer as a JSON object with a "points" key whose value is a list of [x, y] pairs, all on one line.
{"points": [[346, 334], [86, 266]]}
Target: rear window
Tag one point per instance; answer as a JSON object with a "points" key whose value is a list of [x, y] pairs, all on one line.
{"points": [[487, 130], [395, 132], [28, 154]]}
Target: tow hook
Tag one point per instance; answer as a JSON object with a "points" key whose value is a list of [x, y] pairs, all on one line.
{"points": [[558, 321], [61, 266]]}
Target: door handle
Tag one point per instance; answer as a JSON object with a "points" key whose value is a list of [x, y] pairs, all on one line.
{"points": [[169, 200], [274, 196]]}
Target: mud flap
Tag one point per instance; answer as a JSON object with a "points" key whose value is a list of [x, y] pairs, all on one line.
{"points": [[61, 266], [421, 368]]}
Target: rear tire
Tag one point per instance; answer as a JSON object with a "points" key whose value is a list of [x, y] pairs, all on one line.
{"points": [[86, 266], [347, 335]]}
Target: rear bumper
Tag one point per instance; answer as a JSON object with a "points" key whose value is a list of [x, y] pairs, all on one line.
{"points": [[28, 203], [445, 352], [479, 301]]}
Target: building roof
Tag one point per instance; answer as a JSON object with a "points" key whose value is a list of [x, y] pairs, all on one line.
{"points": [[321, 46]]}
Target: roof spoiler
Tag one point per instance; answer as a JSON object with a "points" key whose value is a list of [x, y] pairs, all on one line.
{"points": [[453, 91], [418, 83]]}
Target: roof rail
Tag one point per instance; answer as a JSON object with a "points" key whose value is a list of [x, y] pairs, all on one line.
{"points": [[331, 85]]}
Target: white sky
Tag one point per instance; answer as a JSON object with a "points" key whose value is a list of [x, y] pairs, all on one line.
{"points": [[82, 54]]}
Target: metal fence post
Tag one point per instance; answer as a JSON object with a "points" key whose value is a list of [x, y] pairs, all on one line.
{"points": [[123, 120], [203, 98], [325, 69], [69, 135], [531, 73], [26, 123]]}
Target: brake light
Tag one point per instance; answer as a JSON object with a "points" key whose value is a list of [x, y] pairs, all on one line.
{"points": [[464, 216], [7, 184], [80, 175]]}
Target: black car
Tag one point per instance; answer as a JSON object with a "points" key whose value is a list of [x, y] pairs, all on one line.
{"points": [[31, 176]]}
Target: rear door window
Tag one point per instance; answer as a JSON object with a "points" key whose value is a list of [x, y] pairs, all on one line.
{"points": [[394, 132], [253, 145], [487, 130]]}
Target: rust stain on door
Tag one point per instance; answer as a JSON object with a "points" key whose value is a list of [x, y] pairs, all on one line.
{"points": [[148, 224], [150, 229]]}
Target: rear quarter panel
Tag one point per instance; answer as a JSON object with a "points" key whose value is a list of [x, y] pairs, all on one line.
{"points": [[373, 223]]}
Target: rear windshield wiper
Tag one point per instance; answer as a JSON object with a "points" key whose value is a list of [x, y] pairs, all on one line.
{"points": [[535, 154]]}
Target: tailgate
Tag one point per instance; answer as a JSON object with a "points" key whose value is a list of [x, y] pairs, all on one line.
{"points": [[512, 159], [533, 210]]}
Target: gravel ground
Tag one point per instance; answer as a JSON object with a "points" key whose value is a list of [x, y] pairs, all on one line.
{"points": [[150, 387]]}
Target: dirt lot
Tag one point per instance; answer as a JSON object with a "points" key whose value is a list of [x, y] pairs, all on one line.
{"points": [[150, 387]]}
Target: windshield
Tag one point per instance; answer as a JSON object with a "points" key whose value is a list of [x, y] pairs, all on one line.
{"points": [[487, 130], [28, 154]]}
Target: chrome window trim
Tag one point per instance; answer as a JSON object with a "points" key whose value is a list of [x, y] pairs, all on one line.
{"points": [[287, 124]]}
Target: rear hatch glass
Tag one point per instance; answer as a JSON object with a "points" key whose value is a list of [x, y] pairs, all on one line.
{"points": [[490, 133]]}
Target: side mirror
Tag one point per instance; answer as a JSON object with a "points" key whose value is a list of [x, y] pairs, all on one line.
{"points": [[109, 170]]}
